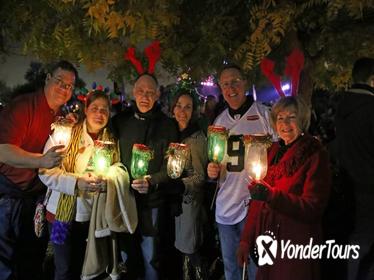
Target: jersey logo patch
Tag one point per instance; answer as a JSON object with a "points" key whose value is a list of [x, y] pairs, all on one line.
{"points": [[253, 118], [237, 117]]}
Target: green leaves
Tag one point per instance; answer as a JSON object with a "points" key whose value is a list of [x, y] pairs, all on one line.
{"points": [[195, 35]]}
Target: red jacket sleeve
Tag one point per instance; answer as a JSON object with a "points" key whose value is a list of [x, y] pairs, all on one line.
{"points": [[308, 206]]}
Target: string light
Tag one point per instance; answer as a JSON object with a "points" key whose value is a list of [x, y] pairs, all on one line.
{"points": [[209, 82]]}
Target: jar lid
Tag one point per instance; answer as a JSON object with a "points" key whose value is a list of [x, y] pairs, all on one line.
{"points": [[216, 129], [141, 147], [257, 139]]}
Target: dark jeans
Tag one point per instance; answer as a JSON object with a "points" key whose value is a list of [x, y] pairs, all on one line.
{"points": [[69, 256], [153, 256], [21, 252], [141, 250]]}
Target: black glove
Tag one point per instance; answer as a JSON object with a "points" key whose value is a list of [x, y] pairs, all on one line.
{"points": [[260, 192]]}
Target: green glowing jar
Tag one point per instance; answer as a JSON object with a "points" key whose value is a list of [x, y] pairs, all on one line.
{"points": [[141, 155], [102, 157], [217, 139]]}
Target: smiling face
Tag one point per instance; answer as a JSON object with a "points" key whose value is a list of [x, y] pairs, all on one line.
{"points": [[287, 126], [183, 111], [59, 87], [97, 115], [233, 87], [145, 93]]}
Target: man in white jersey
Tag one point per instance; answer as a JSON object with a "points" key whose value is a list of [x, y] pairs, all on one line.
{"points": [[243, 116]]}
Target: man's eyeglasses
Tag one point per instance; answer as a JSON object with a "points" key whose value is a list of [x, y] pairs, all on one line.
{"points": [[62, 84], [231, 84]]}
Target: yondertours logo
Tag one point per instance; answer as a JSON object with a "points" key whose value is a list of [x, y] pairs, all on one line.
{"points": [[267, 250], [267, 247]]}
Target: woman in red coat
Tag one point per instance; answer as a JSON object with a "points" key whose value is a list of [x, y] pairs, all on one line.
{"points": [[289, 203]]}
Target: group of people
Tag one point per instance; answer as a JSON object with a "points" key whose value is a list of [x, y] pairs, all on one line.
{"points": [[96, 220]]}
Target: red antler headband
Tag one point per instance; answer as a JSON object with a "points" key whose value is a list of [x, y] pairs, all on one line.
{"points": [[294, 65], [130, 55], [267, 68], [153, 54]]}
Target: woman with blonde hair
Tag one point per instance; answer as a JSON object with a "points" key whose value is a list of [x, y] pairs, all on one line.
{"points": [[288, 204]]}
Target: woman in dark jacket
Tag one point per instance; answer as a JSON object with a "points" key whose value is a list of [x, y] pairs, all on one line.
{"points": [[289, 203], [189, 224]]}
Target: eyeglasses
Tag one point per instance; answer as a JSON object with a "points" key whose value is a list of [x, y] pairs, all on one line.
{"points": [[62, 84], [231, 84]]}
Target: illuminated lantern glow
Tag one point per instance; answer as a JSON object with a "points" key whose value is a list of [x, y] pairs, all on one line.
{"points": [[61, 136], [140, 164], [217, 139], [102, 157], [140, 157], [61, 132], [257, 170], [217, 149], [256, 162], [177, 157]]}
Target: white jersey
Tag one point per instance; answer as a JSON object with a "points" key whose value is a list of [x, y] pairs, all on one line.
{"points": [[233, 195]]}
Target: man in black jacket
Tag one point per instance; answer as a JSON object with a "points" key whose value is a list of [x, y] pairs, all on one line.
{"points": [[144, 123], [355, 153]]}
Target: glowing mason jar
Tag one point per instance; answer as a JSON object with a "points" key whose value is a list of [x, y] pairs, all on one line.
{"points": [[141, 155], [217, 139], [61, 132], [102, 157], [177, 157], [256, 160]]}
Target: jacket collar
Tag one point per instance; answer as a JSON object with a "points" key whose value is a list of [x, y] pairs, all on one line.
{"points": [[151, 114], [189, 130], [241, 111]]}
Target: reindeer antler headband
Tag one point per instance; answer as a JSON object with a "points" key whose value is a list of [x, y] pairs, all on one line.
{"points": [[294, 65], [153, 54]]}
